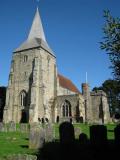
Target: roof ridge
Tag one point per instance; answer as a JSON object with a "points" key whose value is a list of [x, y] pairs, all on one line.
{"points": [[67, 83]]}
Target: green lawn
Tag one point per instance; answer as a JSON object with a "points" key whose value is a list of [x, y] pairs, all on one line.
{"points": [[85, 129], [110, 130], [14, 143], [17, 143]]}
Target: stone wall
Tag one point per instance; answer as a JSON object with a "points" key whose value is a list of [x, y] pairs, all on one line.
{"points": [[96, 106], [96, 103], [77, 107], [87, 102], [100, 107], [64, 91], [32, 71]]}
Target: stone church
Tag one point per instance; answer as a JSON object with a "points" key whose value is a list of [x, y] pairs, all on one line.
{"points": [[37, 92]]}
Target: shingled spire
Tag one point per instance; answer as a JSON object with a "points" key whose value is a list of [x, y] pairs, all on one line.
{"points": [[36, 30], [36, 37]]}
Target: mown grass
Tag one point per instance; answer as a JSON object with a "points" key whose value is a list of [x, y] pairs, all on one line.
{"points": [[17, 143], [14, 143], [110, 130], [85, 129]]}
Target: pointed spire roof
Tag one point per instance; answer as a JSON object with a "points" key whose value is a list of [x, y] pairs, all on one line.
{"points": [[37, 28], [36, 37]]}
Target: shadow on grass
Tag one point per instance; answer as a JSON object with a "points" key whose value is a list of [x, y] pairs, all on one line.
{"points": [[97, 147], [110, 130], [26, 139], [24, 146]]}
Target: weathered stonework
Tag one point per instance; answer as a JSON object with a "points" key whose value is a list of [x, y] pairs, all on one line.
{"points": [[96, 106], [37, 92], [33, 78], [75, 105]]}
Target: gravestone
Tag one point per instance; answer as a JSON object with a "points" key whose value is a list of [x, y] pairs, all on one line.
{"points": [[98, 135], [1, 127], [5, 127], [117, 135], [24, 127], [36, 137], [21, 157], [83, 139], [77, 132], [49, 132], [67, 135], [11, 126]]}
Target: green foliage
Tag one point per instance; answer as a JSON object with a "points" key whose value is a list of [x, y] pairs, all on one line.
{"points": [[111, 42], [112, 89]]}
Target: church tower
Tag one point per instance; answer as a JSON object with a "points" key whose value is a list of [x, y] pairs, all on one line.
{"points": [[32, 79]]}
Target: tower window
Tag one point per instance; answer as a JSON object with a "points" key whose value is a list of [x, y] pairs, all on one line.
{"points": [[25, 58], [23, 98]]}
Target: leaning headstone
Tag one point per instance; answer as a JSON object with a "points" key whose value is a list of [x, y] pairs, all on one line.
{"points": [[21, 157], [11, 126], [24, 127], [49, 132], [5, 127], [36, 137], [1, 127], [77, 132]]}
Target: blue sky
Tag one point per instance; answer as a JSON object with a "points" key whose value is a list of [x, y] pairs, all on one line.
{"points": [[73, 29]]}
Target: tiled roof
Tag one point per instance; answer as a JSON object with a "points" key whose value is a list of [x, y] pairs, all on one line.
{"points": [[36, 30], [34, 43], [68, 84], [36, 37]]}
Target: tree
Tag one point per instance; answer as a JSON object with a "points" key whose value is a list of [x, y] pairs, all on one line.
{"points": [[2, 101], [111, 42], [112, 89]]}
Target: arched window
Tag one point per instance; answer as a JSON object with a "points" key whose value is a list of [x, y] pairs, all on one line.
{"points": [[25, 58], [23, 98], [66, 109]]}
